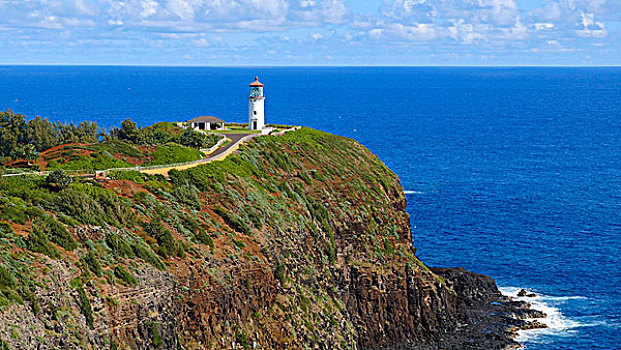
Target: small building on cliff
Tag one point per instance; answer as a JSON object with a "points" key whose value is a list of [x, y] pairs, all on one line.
{"points": [[206, 123]]}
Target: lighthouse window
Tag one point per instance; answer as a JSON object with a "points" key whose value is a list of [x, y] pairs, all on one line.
{"points": [[255, 112]]}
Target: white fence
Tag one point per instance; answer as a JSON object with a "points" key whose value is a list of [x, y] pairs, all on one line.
{"points": [[216, 146]]}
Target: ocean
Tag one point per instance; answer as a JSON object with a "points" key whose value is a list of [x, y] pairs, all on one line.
{"points": [[510, 172]]}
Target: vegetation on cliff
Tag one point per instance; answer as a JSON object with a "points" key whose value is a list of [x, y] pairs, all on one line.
{"points": [[38, 143], [296, 241]]}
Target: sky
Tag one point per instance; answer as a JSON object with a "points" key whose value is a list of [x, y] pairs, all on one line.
{"points": [[311, 32]]}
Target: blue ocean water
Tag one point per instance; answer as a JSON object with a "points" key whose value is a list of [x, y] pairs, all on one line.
{"points": [[510, 172]]}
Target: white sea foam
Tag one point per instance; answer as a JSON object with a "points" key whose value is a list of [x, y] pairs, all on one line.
{"points": [[413, 192], [558, 324]]}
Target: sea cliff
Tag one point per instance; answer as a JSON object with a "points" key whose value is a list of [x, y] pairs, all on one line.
{"points": [[295, 242]]}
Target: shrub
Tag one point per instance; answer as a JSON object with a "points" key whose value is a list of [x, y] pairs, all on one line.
{"points": [[6, 278], [146, 254], [119, 247], [194, 139], [233, 220], [85, 306], [280, 274], [331, 251], [155, 336], [37, 242], [59, 179], [95, 161], [204, 238], [138, 177], [242, 339], [167, 246], [93, 264], [57, 233], [93, 205], [121, 273], [187, 194]]}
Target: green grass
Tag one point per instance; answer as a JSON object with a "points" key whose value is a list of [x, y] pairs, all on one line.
{"points": [[94, 161], [101, 158], [172, 153]]}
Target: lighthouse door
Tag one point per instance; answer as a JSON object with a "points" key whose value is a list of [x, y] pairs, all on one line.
{"points": [[254, 125]]}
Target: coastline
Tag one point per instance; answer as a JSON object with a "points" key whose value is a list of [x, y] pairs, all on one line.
{"points": [[486, 318]]}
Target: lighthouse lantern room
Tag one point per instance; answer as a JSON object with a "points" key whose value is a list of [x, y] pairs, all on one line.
{"points": [[256, 118]]}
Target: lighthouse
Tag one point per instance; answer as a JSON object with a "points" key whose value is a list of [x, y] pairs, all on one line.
{"points": [[256, 118]]}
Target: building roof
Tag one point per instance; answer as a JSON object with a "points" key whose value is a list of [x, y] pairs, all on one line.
{"points": [[256, 83], [206, 120]]}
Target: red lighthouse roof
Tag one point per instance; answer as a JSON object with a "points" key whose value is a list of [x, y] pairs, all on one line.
{"points": [[256, 83]]}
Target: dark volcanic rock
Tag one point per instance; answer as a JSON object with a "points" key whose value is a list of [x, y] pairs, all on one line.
{"points": [[524, 293], [486, 320]]}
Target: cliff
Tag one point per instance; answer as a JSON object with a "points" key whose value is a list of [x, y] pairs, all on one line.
{"points": [[297, 241]]}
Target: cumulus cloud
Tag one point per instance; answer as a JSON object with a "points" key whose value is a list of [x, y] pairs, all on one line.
{"points": [[449, 25]]}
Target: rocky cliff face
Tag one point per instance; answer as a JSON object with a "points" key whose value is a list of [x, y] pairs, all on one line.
{"points": [[298, 241]]}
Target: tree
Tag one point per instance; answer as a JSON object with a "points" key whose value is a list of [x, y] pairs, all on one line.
{"points": [[12, 132], [42, 133], [30, 153], [129, 131], [191, 138], [88, 132], [59, 179]]}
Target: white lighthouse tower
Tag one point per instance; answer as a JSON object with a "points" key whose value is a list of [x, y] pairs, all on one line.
{"points": [[256, 118]]}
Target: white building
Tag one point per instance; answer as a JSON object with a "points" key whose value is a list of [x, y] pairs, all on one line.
{"points": [[206, 123], [256, 118]]}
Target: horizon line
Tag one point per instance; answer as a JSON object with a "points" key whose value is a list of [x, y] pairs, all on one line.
{"points": [[294, 66]]}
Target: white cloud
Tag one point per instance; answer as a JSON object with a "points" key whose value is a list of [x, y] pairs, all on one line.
{"points": [[181, 8], [376, 33], [417, 32], [335, 11], [113, 22], [83, 7], [464, 32], [490, 26], [591, 28], [202, 42], [543, 26]]}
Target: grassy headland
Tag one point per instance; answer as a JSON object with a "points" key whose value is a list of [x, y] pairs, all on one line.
{"points": [[262, 247]]}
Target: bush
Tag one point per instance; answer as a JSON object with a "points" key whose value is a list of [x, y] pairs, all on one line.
{"points": [[125, 276], [119, 247], [280, 274], [6, 278], [187, 194], [146, 254], [204, 238], [58, 179], [93, 205], [167, 246], [154, 335], [85, 306], [57, 233], [93, 264], [37, 242], [233, 220]]}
